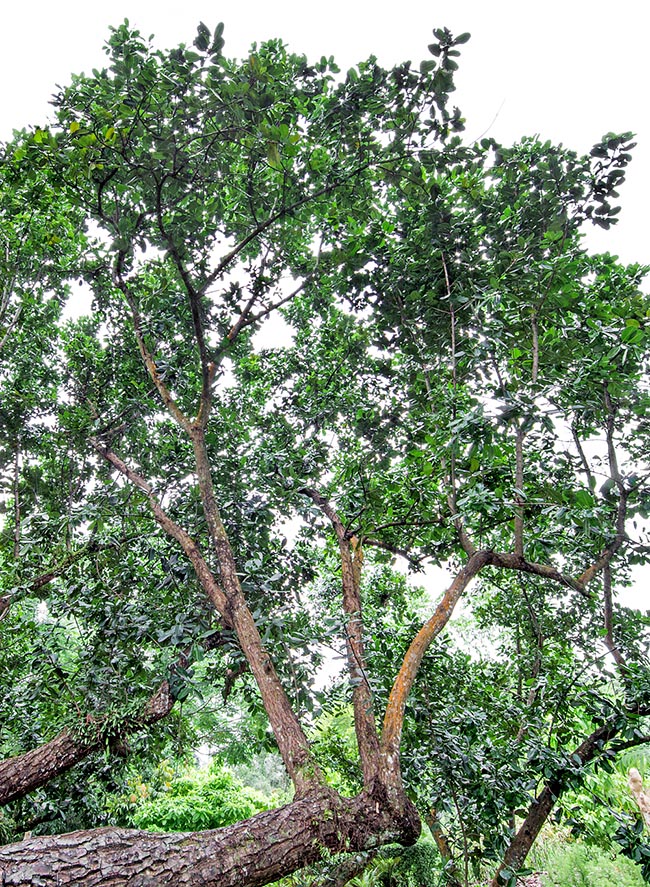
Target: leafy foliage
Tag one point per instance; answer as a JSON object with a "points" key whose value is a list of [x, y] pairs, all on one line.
{"points": [[192, 802], [191, 496]]}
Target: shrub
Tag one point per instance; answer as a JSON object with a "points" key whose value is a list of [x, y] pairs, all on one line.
{"points": [[198, 801], [577, 865]]}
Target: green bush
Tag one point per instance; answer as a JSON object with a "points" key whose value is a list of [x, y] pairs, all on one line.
{"points": [[578, 865], [416, 866], [198, 801]]}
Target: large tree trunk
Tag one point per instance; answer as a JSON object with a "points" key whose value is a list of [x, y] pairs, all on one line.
{"points": [[251, 853], [25, 773]]}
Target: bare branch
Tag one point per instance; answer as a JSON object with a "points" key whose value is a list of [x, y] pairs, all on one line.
{"points": [[620, 537], [608, 617], [194, 298], [519, 492], [246, 319], [535, 347], [394, 716], [583, 459], [203, 572], [394, 549]]}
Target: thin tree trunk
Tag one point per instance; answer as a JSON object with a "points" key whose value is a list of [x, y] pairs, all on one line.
{"points": [[541, 807], [16, 492], [251, 853], [351, 552], [292, 742]]}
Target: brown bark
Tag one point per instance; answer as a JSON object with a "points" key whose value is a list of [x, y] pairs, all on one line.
{"points": [[351, 552], [519, 493], [252, 853], [292, 742], [394, 716], [25, 773], [16, 494]]}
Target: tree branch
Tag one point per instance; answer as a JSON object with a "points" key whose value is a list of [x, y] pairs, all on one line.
{"points": [[24, 773], [207, 376], [620, 537], [519, 491], [146, 355], [351, 553], [190, 548], [394, 715]]}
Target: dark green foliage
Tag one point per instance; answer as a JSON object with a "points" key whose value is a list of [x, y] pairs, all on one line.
{"points": [[454, 372]]}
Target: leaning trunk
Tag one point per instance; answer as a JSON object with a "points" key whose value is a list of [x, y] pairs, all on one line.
{"points": [[541, 807], [23, 774], [252, 853]]}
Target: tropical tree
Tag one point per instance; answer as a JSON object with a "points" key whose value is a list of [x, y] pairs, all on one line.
{"points": [[451, 357]]}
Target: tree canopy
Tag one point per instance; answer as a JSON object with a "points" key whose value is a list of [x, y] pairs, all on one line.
{"points": [[327, 337]]}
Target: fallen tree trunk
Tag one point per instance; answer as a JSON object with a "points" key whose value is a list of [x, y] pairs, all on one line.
{"points": [[251, 853]]}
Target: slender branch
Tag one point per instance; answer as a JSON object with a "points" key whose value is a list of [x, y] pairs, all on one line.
{"points": [[394, 715], [351, 554], [195, 301], [465, 540], [583, 459], [535, 344], [203, 572], [463, 536], [512, 562], [245, 320], [537, 663], [11, 326], [620, 537], [48, 576], [630, 743], [519, 491], [272, 219], [610, 643], [146, 355], [394, 549], [16, 492]]}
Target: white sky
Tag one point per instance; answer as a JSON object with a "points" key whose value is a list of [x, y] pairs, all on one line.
{"points": [[568, 70]]}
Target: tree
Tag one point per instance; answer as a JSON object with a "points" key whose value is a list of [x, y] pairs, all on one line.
{"points": [[446, 331]]}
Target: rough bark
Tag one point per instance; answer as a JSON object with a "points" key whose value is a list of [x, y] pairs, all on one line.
{"points": [[292, 742], [25, 773], [254, 852], [351, 553]]}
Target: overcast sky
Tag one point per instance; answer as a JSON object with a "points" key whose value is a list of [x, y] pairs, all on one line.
{"points": [[568, 70]]}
